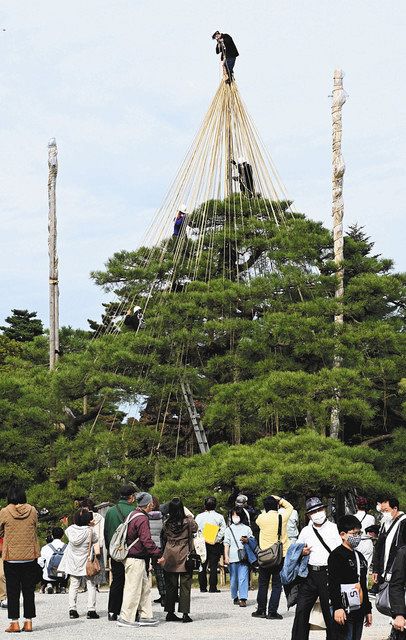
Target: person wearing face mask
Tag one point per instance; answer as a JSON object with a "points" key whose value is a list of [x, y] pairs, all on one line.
{"points": [[320, 538], [348, 569], [235, 535], [366, 547], [392, 536]]}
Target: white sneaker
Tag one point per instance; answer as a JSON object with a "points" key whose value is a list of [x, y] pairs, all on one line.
{"points": [[3, 604], [124, 623], [147, 622]]}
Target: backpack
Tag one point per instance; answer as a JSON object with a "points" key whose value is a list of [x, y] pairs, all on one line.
{"points": [[118, 548], [54, 561]]}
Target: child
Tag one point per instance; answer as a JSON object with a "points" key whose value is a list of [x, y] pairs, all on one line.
{"points": [[347, 571]]}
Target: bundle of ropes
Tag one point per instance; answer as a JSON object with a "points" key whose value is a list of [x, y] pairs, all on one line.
{"points": [[226, 180]]}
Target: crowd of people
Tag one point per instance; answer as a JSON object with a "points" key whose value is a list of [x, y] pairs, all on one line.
{"points": [[334, 568]]}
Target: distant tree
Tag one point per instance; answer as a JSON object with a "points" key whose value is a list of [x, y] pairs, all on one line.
{"points": [[24, 325]]}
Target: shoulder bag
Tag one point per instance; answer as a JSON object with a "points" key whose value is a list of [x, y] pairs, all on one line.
{"points": [[92, 563], [382, 602], [272, 557], [192, 562], [242, 554]]}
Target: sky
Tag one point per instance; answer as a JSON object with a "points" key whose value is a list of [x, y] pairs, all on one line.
{"points": [[123, 86]]}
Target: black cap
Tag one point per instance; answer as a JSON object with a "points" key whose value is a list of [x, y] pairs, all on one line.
{"points": [[214, 34]]}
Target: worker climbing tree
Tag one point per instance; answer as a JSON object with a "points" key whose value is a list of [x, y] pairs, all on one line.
{"points": [[226, 47]]}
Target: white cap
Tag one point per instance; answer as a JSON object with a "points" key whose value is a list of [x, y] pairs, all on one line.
{"points": [[183, 208], [240, 160]]}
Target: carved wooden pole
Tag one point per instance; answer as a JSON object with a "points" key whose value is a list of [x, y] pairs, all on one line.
{"points": [[53, 256], [339, 98]]}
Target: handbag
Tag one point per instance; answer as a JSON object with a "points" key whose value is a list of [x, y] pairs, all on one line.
{"points": [[272, 557], [242, 554], [192, 562], [92, 563]]}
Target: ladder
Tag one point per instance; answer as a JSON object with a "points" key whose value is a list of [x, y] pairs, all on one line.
{"points": [[195, 418]]}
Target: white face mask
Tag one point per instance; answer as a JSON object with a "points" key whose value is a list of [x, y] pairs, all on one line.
{"points": [[236, 519], [319, 517], [387, 517]]}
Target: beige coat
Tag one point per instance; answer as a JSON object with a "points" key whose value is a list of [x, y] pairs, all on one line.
{"points": [[177, 545], [18, 526]]}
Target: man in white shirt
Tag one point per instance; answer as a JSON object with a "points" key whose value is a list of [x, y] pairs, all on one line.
{"points": [[53, 584], [214, 551], [366, 546], [320, 537]]}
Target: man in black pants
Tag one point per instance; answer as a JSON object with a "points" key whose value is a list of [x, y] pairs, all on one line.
{"points": [[114, 517], [215, 550], [226, 47], [320, 537]]}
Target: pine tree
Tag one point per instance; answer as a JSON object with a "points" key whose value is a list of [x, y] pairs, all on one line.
{"points": [[24, 326]]}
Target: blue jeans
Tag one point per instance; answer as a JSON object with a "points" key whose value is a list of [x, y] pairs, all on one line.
{"points": [[239, 573], [263, 585], [229, 64], [351, 630]]}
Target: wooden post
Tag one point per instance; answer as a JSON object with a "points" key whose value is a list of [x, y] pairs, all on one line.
{"points": [[53, 256], [339, 98]]}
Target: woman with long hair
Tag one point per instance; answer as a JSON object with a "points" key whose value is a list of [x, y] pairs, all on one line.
{"points": [[236, 534], [177, 535], [18, 527]]}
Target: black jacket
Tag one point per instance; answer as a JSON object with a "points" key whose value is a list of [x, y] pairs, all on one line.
{"points": [[342, 569], [231, 49], [397, 585], [399, 540]]}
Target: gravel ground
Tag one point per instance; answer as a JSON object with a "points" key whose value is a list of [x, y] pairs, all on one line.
{"points": [[214, 615]]}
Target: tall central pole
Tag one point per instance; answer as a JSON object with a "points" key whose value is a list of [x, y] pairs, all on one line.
{"points": [[53, 256], [339, 98]]}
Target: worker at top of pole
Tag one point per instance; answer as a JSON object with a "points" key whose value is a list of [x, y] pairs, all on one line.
{"points": [[226, 47]]}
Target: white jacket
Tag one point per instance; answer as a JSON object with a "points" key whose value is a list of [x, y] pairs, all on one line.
{"points": [[76, 553]]}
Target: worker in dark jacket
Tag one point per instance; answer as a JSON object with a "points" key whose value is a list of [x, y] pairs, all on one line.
{"points": [[114, 517], [178, 222], [137, 592], [226, 47], [397, 586]]}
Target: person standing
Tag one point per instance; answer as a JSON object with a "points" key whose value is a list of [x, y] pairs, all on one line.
{"points": [[214, 550], [366, 546], [179, 222], [156, 523], [114, 517], [293, 527], [320, 538], [177, 535], [82, 537], [348, 575], [397, 587], [235, 536], [18, 527], [137, 592], [228, 52], [3, 592], [275, 516], [391, 538]]}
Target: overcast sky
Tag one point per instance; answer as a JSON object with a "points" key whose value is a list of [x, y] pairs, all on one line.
{"points": [[123, 86]]}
